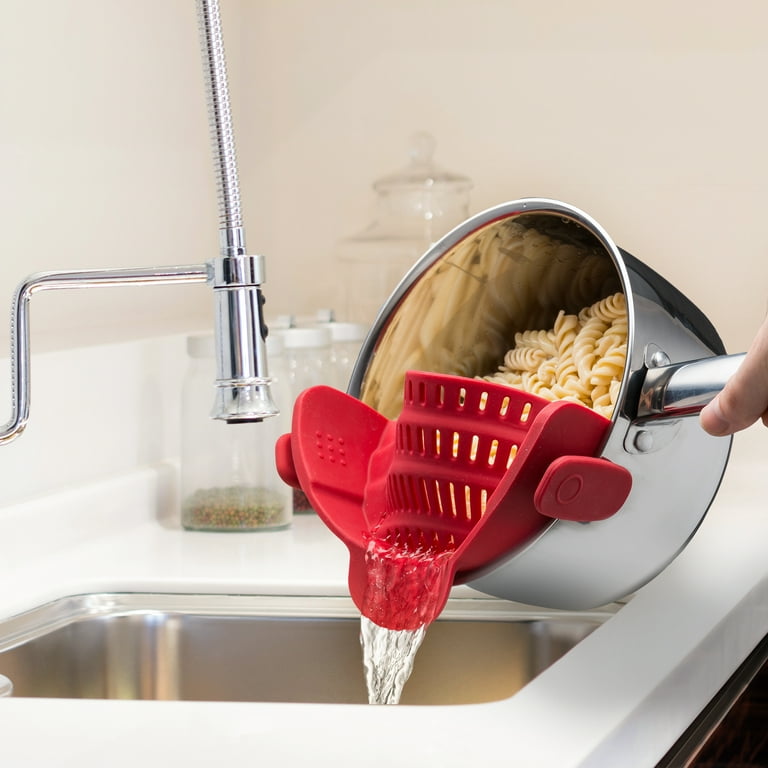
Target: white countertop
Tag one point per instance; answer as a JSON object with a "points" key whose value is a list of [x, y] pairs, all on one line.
{"points": [[621, 697]]}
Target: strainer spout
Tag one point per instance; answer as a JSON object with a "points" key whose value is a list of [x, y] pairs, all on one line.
{"points": [[468, 473]]}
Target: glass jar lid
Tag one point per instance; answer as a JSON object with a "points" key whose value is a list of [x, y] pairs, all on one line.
{"points": [[421, 172]]}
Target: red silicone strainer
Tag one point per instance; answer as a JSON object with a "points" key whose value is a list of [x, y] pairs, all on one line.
{"points": [[468, 473]]}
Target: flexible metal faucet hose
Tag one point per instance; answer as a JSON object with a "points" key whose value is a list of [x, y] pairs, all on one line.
{"points": [[220, 121]]}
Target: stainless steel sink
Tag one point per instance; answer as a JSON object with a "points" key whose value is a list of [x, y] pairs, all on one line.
{"points": [[290, 649]]}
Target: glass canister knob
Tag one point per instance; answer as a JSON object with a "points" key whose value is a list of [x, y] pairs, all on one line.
{"points": [[414, 207]]}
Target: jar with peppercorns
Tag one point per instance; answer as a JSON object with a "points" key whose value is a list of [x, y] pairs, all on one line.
{"points": [[229, 481]]}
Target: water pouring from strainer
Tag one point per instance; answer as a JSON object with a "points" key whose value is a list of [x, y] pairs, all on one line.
{"points": [[547, 492]]}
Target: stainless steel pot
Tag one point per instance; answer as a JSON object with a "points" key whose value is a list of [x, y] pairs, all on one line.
{"points": [[457, 311]]}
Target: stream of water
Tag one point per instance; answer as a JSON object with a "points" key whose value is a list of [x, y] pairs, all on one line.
{"points": [[401, 600], [388, 657]]}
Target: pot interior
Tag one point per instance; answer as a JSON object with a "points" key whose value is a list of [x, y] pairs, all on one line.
{"points": [[459, 309]]}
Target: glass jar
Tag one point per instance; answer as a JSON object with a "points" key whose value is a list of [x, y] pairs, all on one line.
{"points": [[346, 341], [307, 364], [229, 480], [415, 207], [280, 386]]}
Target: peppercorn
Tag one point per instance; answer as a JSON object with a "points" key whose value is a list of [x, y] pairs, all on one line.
{"points": [[233, 508]]}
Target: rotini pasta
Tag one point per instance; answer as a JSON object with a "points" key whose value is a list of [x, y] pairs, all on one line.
{"points": [[462, 313], [581, 358]]}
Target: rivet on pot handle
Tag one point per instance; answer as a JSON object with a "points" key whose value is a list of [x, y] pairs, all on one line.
{"points": [[685, 388]]}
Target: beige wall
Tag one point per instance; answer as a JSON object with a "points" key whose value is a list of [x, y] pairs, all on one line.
{"points": [[104, 158], [650, 117]]}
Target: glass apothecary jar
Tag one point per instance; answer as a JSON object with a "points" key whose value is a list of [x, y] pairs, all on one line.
{"points": [[229, 480], [414, 208], [307, 364], [346, 341]]}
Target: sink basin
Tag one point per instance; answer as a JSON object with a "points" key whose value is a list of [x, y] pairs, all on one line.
{"points": [[256, 648]]}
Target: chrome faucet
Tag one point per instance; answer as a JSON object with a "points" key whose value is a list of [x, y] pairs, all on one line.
{"points": [[242, 381], [242, 384]]}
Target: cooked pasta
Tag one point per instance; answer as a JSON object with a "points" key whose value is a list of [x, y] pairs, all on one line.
{"points": [[581, 358], [463, 312]]}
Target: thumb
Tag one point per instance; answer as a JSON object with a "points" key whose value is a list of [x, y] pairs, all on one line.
{"points": [[744, 399]]}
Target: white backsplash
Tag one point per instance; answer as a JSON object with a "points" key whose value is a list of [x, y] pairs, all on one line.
{"points": [[95, 412]]}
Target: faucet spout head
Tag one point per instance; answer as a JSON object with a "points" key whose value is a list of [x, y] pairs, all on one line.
{"points": [[242, 379], [240, 403]]}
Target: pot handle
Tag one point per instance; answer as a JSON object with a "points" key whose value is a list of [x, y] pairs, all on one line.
{"points": [[685, 388]]}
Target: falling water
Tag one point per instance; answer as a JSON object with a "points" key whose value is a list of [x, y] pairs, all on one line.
{"points": [[388, 656], [402, 598]]}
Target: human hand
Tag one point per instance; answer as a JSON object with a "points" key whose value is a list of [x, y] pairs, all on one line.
{"points": [[744, 399]]}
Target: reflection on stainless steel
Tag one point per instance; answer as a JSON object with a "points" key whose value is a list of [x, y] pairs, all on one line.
{"points": [[226, 648], [677, 390], [456, 312]]}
